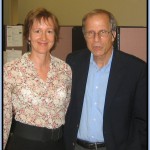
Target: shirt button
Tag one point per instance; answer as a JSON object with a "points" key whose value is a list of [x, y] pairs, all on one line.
{"points": [[77, 126], [73, 144]]}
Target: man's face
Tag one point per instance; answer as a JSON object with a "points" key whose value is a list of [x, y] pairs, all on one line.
{"points": [[98, 35]]}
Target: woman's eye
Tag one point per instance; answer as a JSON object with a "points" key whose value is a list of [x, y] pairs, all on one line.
{"points": [[51, 32], [37, 31]]}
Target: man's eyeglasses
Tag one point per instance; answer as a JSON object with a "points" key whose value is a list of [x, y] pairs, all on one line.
{"points": [[92, 34]]}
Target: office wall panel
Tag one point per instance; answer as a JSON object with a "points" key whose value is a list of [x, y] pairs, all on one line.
{"points": [[133, 40], [64, 45]]}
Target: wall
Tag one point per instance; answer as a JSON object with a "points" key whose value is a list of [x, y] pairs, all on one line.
{"points": [[70, 12], [7, 12]]}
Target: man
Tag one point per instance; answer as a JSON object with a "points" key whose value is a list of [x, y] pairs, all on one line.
{"points": [[109, 92]]}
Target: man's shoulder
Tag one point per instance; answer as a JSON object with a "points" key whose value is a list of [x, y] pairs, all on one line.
{"points": [[129, 57], [76, 58], [128, 61], [79, 53]]}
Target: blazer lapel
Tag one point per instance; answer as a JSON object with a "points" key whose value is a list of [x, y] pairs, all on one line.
{"points": [[114, 81], [83, 74]]}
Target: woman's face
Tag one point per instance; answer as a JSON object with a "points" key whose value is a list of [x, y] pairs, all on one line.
{"points": [[42, 36]]}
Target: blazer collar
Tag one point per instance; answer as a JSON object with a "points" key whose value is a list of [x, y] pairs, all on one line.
{"points": [[115, 78], [82, 73]]}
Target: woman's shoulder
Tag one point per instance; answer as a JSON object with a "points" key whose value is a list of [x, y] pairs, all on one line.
{"points": [[12, 64]]}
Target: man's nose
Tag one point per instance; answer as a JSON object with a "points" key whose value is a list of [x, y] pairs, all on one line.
{"points": [[97, 36]]}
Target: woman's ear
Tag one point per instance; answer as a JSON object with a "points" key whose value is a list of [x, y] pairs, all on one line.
{"points": [[29, 38]]}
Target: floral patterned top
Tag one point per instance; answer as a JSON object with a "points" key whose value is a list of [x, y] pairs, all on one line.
{"points": [[34, 101]]}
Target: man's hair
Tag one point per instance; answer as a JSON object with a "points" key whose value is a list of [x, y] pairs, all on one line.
{"points": [[112, 19]]}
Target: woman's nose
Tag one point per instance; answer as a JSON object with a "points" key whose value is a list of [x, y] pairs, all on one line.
{"points": [[43, 36]]}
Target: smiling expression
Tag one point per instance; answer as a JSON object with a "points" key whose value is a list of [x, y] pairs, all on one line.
{"points": [[42, 36]]}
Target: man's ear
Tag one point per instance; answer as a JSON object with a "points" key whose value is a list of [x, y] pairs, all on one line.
{"points": [[113, 35]]}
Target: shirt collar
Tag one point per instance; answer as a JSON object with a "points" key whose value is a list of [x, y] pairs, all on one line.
{"points": [[92, 62]]}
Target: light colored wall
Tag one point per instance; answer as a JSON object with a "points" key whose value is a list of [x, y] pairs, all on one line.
{"points": [[7, 12], [10, 12], [70, 12]]}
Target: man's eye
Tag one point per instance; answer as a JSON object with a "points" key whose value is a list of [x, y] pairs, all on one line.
{"points": [[103, 31], [91, 32]]}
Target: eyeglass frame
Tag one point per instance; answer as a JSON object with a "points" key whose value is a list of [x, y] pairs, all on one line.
{"points": [[98, 33]]}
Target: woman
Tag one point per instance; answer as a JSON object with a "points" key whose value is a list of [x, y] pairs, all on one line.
{"points": [[37, 88]]}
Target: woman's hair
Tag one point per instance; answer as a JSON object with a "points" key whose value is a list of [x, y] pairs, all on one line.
{"points": [[38, 14], [112, 19]]}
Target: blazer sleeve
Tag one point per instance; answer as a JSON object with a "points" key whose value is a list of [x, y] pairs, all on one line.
{"points": [[139, 126], [141, 107]]}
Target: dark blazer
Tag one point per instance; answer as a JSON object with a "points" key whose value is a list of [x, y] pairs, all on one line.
{"points": [[125, 110]]}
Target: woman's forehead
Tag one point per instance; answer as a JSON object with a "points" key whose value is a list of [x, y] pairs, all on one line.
{"points": [[47, 21]]}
